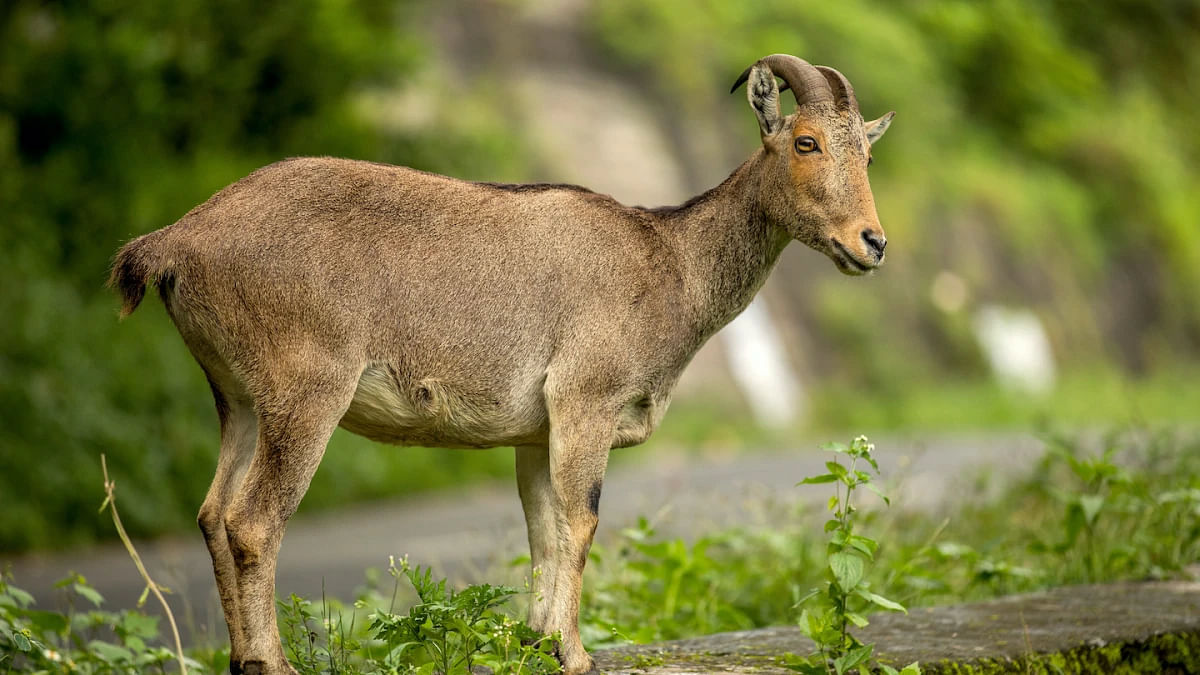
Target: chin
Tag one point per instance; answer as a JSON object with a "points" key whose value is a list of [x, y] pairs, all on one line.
{"points": [[851, 267]]}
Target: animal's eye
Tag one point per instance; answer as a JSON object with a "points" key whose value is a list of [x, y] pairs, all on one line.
{"points": [[806, 144]]}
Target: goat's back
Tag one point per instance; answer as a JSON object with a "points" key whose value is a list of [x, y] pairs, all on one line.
{"points": [[377, 263]]}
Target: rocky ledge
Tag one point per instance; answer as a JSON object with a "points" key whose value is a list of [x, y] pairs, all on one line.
{"points": [[1150, 627]]}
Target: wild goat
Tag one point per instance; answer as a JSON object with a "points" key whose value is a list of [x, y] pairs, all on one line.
{"points": [[414, 308]]}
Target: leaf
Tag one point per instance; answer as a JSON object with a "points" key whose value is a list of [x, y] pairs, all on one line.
{"points": [[874, 488], [1091, 505], [806, 623], [857, 619], [816, 480], [880, 601], [838, 471], [872, 462], [1074, 524], [888, 670], [47, 622], [23, 598], [812, 593], [853, 658], [813, 625], [913, 668], [21, 641], [847, 568], [110, 653], [69, 579], [139, 625], [801, 664], [867, 546], [88, 592], [136, 644]]}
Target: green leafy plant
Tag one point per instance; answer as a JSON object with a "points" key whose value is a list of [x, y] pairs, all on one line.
{"points": [[649, 588], [447, 631], [451, 631], [845, 596], [319, 644], [42, 641], [1094, 488], [88, 641]]}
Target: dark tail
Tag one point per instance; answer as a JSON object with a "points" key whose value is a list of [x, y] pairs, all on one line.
{"points": [[137, 265]]}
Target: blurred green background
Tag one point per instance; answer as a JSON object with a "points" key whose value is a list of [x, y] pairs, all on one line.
{"points": [[1044, 158]]}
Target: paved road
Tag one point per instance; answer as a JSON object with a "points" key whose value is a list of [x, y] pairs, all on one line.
{"points": [[470, 534]]}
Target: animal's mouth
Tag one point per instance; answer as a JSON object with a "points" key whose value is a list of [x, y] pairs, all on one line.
{"points": [[848, 263]]}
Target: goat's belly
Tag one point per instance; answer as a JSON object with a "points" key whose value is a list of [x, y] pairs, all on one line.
{"points": [[435, 413]]}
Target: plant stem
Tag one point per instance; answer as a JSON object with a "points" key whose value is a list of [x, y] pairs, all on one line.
{"points": [[111, 502]]}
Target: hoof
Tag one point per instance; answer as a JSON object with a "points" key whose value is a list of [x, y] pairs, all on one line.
{"points": [[587, 667], [257, 667]]}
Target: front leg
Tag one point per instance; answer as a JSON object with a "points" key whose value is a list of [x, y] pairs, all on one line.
{"points": [[581, 434], [538, 499]]}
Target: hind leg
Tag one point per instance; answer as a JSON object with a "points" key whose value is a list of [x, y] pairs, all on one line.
{"points": [[537, 499], [295, 422], [239, 433]]}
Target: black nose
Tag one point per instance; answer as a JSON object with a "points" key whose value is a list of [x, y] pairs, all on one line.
{"points": [[876, 241]]}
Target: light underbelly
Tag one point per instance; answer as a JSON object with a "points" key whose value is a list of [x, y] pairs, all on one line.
{"points": [[434, 412]]}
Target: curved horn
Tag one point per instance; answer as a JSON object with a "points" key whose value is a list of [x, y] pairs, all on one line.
{"points": [[842, 91], [805, 81]]}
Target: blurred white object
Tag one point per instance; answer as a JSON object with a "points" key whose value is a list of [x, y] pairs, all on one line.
{"points": [[760, 367], [1017, 348]]}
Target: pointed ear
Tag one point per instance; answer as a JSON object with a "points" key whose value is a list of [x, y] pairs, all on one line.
{"points": [[876, 128], [763, 94]]}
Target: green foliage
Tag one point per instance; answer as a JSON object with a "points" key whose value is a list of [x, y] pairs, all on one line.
{"points": [[87, 641], [450, 631], [446, 631], [1026, 537], [845, 597], [650, 589], [1100, 396]]}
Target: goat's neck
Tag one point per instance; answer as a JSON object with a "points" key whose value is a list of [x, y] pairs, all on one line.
{"points": [[725, 247]]}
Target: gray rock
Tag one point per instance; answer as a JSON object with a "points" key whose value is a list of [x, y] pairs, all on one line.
{"points": [[1009, 630]]}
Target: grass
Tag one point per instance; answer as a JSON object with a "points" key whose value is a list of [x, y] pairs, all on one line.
{"points": [[1095, 398], [1127, 510]]}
